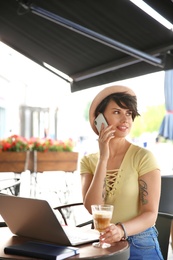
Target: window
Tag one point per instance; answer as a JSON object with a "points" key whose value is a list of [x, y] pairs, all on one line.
{"points": [[38, 122]]}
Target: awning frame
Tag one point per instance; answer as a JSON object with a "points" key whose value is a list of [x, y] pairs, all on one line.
{"points": [[134, 53]]}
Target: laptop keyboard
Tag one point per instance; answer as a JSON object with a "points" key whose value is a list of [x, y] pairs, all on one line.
{"points": [[79, 234]]}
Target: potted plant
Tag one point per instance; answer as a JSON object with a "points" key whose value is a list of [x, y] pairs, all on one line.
{"points": [[53, 155], [18, 154], [14, 154]]}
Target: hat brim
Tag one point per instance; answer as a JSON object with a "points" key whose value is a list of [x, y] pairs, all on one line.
{"points": [[102, 95]]}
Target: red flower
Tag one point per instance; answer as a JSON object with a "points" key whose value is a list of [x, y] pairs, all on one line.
{"points": [[18, 143]]}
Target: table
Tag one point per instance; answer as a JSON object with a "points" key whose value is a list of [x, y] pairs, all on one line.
{"points": [[118, 251]]}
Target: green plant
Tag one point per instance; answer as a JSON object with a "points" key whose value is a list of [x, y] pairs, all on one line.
{"points": [[43, 145], [14, 143], [18, 143]]}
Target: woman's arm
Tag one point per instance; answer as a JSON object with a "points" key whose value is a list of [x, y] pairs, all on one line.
{"points": [[93, 186], [149, 189]]}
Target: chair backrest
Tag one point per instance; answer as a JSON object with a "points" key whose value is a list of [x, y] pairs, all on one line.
{"points": [[166, 199], [3, 224], [163, 225], [165, 216], [68, 210]]}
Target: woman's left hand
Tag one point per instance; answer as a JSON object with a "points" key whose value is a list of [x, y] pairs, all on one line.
{"points": [[112, 234]]}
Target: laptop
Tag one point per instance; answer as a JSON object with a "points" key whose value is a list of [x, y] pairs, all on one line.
{"points": [[35, 219]]}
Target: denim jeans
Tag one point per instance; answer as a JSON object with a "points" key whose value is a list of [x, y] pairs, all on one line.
{"points": [[145, 245]]}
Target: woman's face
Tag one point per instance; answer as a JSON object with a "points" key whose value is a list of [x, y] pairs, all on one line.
{"points": [[120, 118]]}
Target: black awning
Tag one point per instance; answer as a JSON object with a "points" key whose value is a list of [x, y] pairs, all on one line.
{"points": [[130, 38]]}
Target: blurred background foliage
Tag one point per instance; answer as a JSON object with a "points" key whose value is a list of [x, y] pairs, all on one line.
{"points": [[149, 121]]}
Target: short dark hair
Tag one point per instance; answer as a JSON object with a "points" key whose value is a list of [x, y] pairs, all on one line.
{"points": [[123, 100]]}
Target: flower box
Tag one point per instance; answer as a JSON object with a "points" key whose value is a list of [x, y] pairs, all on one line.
{"points": [[38, 161], [55, 161], [17, 154], [16, 162]]}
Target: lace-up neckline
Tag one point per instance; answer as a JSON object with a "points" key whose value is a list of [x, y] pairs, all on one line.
{"points": [[112, 180]]}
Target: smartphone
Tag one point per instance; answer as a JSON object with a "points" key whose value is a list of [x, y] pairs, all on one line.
{"points": [[99, 120]]}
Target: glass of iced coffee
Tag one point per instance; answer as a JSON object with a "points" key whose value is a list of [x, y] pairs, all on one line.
{"points": [[102, 215]]}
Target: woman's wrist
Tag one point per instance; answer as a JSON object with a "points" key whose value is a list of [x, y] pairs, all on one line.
{"points": [[124, 237]]}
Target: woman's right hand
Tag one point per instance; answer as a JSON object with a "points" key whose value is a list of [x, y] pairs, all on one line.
{"points": [[106, 134]]}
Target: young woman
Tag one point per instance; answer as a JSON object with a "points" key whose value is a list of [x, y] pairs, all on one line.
{"points": [[123, 174]]}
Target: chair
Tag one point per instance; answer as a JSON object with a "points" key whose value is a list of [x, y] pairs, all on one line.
{"points": [[11, 185], [163, 225], [166, 198], [165, 215], [68, 209], [3, 224]]}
